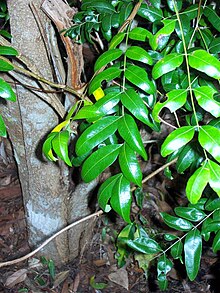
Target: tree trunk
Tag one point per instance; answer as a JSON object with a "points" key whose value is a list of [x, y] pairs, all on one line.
{"points": [[48, 202]]}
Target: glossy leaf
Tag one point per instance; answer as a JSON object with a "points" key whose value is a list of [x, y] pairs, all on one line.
{"points": [[193, 251], [214, 180], [175, 100], [197, 183], [176, 223], [212, 17], [3, 130], [204, 96], [101, 6], [139, 77], [190, 213], [177, 250], [167, 64], [214, 47], [4, 50], [107, 57], [212, 204], [140, 34], [134, 103], [216, 242], [144, 245], [150, 13], [178, 4], [206, 235], [107, 75], [105, 192], [87, 112], [177, 139], [121, 198], [170, 237], [139, 54], [99, 161], [47, 147], [160, 39], [205, 62], [95, 134], [186, 157], [6, 91], [116, 40], [209, 138], [213, 226], [5, 66], [129, 165], [128, 130], [139, 197], [107, 103], [164, 266], [60, 146]]}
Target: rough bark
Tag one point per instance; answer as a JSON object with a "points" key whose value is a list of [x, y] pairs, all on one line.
{"points": [[47, 200]]}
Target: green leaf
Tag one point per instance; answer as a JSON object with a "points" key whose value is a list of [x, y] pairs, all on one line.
{"points": [[121, 198], [139, 197], [3, 130], [186, 157], [193, 251], [5, 66], [176, 223], [106, 104], [139, 77], [51, 268], [95, 164], [176, 250], [122, 249], [95, 285], [105, 192], [4, 50], [161, 38], [101, 6], [214, 180], [129, 165], [212, 17], [216, 242], [177, 139], [178, 4], [190, 213], [139, 54], [175, 100], [164, 266], [140, 34], [116, 40], [212, 204], [47, 147], [167, 64], [170, 237], [214, 47], [213, 226], [107, 57], [134, 103], [60, 146], [87, 112], [150, 13], [204, 96], [209, 138], [95, 134], [108, 75], [197, 183], [205, 62], [144, 245], [205, 224], [128, 130]]}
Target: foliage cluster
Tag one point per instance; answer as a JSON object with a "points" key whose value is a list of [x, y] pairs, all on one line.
{"points": [[160, 58]]}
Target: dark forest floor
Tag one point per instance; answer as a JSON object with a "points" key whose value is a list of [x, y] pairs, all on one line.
{"points": [[97, 261]]}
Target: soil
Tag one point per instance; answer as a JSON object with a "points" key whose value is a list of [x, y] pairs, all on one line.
{"points": [[96, 269]]}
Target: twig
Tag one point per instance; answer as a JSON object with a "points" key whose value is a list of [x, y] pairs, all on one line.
{"points": [[17, 260]]}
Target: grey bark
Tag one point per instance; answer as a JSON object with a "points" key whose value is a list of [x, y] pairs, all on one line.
{"points": [[48, 203]]}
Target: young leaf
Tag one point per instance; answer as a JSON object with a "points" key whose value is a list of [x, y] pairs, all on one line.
{"points": [[214, 180], [144, 245], [133, 102], [150, 13], [108, 75], [128, 130], [140, 34], [99, 161], [96, 133], [197, 183], [205, 62], [95, 285], [139, 54], [175, 100], [209, 138], [105, 192], [177, 139], [167, 64], [121, 198], [216, 242], [107, 57], [190, 213], [176, 223], [129, 165], [204, 96], [4, 50], [3, 130], [139, 77], [164, 266], [60, 146], [193, 251]]}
